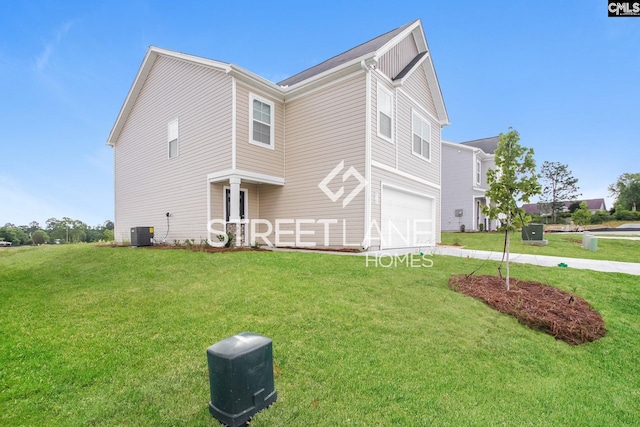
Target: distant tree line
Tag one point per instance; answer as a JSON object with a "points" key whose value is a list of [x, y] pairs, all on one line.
{"points": [[65, 230], [559, 185]]}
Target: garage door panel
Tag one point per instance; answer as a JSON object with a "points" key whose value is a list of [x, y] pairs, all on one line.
{"points": [[407, 219]]}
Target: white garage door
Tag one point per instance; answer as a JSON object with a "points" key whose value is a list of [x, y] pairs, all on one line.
{"points": [[407, 219]]}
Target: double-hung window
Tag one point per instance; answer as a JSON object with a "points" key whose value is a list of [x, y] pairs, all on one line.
{"points": [[385, 113], [172, 138], [421, 131], [478, 172], [261, 122]]}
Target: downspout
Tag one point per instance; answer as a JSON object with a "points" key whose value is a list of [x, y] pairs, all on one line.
{"points": [[208, 211], [368, 65], [233, 123]]}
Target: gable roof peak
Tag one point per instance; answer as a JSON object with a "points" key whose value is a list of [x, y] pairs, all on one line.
{"points": [[359, 51]]}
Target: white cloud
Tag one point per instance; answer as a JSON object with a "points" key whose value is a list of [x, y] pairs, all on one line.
{"points": [[42, 60]]}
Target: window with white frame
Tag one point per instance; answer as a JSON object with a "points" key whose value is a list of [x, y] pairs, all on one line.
{"points": [[421, 131], [261, 129], [172, 138], [478, 172], [385, 113]]}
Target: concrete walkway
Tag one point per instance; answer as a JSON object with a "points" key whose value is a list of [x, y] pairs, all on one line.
{"points": [[542, 260]]}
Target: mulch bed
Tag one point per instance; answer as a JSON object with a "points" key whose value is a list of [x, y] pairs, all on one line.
{"points": [[541, 307]]}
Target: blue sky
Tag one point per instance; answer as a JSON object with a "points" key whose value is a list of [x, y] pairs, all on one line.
{"points": [[562, 73]]}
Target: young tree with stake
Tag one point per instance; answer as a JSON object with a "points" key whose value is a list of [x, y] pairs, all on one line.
{"points": [[514, 181]]}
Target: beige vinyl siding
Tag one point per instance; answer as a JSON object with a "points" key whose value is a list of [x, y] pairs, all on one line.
{"points": [[381, 149], [416, 85], [398, 57], [147, 183], [382, 177], [407, 160], [323, 128], [251, 157]]}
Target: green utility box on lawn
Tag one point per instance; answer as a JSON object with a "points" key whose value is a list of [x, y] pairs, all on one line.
{"points": [[533, 234]]}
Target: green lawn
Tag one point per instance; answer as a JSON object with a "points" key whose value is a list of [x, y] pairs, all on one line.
{"points": [[562, 245], [118, 336]]}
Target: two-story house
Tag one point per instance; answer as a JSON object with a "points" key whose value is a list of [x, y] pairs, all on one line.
{"points": [[464, 184], [344, 154]]}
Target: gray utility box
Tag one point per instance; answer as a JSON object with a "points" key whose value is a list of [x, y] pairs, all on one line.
{"points": [[589, 241], [241, 377], [533, 232], [141, 236]]}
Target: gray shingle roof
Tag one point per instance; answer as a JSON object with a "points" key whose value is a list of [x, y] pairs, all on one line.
{"points": [[351, 54], [592, 204], [488, 145], [410, 66]]}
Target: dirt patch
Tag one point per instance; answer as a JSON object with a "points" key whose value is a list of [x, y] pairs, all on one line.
{"points": [[573, 240], [541, 307]]}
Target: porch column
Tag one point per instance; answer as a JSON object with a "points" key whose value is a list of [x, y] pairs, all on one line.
{"points": [[234, 202]]}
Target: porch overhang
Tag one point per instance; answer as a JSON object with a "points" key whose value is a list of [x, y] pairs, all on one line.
{"points": [[245, 176]]}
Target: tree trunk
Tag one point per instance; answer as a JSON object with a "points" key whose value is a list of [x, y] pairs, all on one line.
{"points": [[507, 254]]}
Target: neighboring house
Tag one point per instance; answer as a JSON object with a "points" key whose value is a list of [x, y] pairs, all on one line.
{"points": [[594, 206], [464, 183], [338, 155]]}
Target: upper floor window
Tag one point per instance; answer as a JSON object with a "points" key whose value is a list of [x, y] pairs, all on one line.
{"points": [[172, 138], [421, 131], [478, 172], [385, 113], [261, 123]]}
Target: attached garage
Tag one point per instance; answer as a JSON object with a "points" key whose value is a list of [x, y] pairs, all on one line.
{"points": [[407, 218]]}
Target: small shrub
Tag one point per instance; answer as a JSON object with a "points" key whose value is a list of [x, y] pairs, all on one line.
{"points": [[462, 228], [481, 227], [229, 241], [625, 215], [599, 217]]}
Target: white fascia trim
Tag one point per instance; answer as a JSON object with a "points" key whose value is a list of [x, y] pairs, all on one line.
{"points": [[432, 79], [143, 72], [458, 145], [221, 66], [387, 168], [394, 41], [260, 83], [401, 81], [480, 190], [476, 150], [134, 90], [245, 175]]}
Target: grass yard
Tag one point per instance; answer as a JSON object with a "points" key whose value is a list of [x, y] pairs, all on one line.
{"points": [[562, 245], [118, 336]]}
